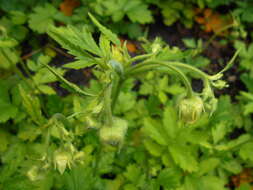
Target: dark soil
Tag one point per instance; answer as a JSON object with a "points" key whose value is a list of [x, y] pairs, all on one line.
{"points": [[215, 52]]}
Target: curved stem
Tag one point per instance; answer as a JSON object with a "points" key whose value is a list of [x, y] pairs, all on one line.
{"points": [[165, 63], [140, 57], [184, 79], [145, 66], [191, 68]]}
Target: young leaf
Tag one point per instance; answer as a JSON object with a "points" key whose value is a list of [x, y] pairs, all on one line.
{"points": [[8, 111], [80, 178], [112, 37], [79, 64], [104, 45], [75, 41], [70, 85]]}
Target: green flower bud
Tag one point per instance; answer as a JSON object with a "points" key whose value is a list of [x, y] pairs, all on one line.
{"points": [[156, 47], [190, 109], [117, 54], [62, 160], [115, 134]]}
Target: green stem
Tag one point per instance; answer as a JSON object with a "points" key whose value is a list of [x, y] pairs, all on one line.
{"points": [[217, 33], [116, 92], [140, 57], [165, 63], [184, 79], [231, 61], [70, 85], [146, 66], [108, 105]]}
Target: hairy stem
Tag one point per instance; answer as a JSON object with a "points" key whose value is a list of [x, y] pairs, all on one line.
{"points": [[146, 66], [166, 63], [116, 92], [108, 105]]}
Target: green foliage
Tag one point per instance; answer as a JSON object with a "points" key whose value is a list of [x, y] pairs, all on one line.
{"points": [[120, 129], [42, 18], [175, 10]]}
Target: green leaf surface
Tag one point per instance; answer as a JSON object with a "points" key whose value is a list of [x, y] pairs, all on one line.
{"points": [[42, 18], [155, 131], [80, 64], [184, 157], [112, 37]]}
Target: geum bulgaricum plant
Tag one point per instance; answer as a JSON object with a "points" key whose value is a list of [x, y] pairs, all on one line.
{"points": [[112, 61]]}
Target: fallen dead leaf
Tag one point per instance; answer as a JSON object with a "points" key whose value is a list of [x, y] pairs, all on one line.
{"points": [[67, 6], [246, 176], [131, 47], [212, 21]]}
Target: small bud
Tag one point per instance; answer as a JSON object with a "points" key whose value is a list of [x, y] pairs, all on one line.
{"points": [[220, 84], [115, 134], [62, 159], [156, 47], [190, 109], [117, 54]]}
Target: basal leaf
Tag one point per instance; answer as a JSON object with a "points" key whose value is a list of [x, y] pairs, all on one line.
{"points": [[153, 130], [183, 157], [32, 106], [170, 121], [153, 148], [140, 13], [219, 131], [104, 45], [246, 151], [8, 111], [208, 165], [42, 18], [169, 178]]}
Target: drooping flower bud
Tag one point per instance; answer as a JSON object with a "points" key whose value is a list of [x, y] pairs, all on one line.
{"points": [[190, 109], [115, 134], [62, 160]]}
